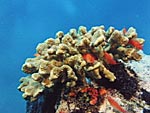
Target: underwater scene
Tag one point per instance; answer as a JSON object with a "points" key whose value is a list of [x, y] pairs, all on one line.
{"points": [[75, 56]]}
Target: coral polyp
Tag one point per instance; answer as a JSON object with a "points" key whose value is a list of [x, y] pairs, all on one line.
{"points": [[82, 58]]}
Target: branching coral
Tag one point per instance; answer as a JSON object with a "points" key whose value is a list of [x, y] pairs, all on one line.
{"points": [[71, 58]]}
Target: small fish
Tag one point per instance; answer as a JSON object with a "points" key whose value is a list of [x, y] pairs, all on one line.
{"points": [[84, 90], [88, 80], [135, 44], [109, 58], [89, 58], [72, 94], [36, 54], [102, 91], [116, 105]]}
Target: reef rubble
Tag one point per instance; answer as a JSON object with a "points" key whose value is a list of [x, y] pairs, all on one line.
{"points": [[85, 71]]}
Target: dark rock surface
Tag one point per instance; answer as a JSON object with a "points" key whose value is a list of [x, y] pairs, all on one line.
{"points": [[46, 102]]}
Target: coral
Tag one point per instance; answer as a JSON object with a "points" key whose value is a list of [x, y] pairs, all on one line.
{"points": [[30, 87], [83, 99], [31, 65], [70, 59], [87, 99]]}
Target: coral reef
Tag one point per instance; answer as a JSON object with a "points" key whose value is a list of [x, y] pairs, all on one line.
{"points": [[84, 59]]}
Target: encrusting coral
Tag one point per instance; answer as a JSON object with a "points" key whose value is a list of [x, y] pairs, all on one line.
{"points": [[70, 59]]}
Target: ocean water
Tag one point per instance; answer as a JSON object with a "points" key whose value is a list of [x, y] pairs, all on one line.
{"points": [[25, 23]]}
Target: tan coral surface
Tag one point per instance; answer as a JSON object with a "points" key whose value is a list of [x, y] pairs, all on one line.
{"points": [[60, 59]]}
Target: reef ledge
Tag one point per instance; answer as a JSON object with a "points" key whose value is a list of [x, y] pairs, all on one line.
{"points": [[95, 71]]}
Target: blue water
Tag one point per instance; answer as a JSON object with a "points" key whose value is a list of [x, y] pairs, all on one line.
{"points": [[25, 23]]}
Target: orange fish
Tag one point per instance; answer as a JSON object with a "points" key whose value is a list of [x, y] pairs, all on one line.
{"points": [[72, 94], [36, 54], [135, 44], [84, 90], [116, 105], [89, 58], [109, 58], [102, 91]]}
